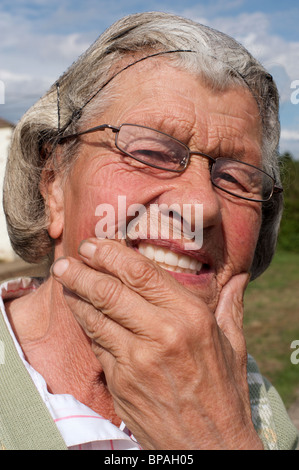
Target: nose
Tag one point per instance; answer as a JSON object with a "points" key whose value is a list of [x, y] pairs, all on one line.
{"points": [[193, 189]]}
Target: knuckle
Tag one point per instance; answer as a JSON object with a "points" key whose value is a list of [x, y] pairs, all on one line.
{"points": [[78, 277], [106, 292], [174, 337], [145, 359], [142, 273], [94, 322], [170, 343], [109, 252]]}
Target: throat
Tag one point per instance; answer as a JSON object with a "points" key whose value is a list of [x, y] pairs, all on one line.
{"points": [[58, 349]]}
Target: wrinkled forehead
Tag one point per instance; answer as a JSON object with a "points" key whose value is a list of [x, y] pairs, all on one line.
{"points": [[159, 80], [210, 69], [137, 67], [177, 102]]}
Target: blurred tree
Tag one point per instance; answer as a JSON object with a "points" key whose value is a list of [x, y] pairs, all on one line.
{"points": [[289, 230]]}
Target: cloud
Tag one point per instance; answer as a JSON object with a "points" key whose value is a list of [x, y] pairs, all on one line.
{"points": [[289, 141], [40, 40], [253, 30], [287, 134], [20, 92], [31, 60]]}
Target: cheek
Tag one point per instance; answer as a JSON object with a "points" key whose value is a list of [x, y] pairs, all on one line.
{"points": [[93, 200], [242, 231], [79, 214]]}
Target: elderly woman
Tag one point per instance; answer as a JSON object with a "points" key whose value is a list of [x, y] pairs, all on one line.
{"points": [[134, 341]]}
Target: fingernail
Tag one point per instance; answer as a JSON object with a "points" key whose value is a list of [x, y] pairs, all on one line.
{"points": [[59, 267], [87, 249]]}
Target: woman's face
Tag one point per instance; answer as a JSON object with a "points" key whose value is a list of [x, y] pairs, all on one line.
{"points": [[220, 124]]}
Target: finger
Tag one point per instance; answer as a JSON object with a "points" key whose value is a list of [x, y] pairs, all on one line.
{"points": [[229, 312], [106, 359], [105, 293], [133, 269], [103, 331]]}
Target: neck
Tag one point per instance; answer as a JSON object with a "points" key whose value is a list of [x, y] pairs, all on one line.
{"points": [[56, 347]]}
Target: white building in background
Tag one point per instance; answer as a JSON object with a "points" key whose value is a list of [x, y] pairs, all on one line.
{"points": [[6, 251]]}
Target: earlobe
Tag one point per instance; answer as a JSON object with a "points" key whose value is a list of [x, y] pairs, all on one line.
{"points": [[52, 192], [56, 211]]}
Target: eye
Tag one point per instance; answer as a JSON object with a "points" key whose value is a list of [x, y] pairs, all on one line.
{"points": [[231, 179], [227, 178], [238, 178], [141, 157], [155, 152], [152, 147], [159, 155]]}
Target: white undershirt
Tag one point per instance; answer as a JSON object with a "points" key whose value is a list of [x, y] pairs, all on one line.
{"points": [[80, 427]]}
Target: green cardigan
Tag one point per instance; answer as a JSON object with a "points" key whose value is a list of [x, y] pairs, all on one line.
{"points": [[26, 424]]}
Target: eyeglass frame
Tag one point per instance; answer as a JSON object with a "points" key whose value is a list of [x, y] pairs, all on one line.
{"points": [[212, 161]]}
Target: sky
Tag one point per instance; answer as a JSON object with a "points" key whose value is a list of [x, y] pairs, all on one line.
{"points": [[41, 38]]}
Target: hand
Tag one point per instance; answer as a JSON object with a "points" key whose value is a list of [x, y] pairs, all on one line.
{"points": [[175, 370]]}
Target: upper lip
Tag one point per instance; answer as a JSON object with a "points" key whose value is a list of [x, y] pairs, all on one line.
{"points": [[176, 246]]}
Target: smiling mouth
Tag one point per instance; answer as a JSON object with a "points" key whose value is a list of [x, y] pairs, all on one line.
{"points": [[170, 260]]}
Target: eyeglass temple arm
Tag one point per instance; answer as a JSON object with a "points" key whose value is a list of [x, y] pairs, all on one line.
{"points": [[93, 129]]}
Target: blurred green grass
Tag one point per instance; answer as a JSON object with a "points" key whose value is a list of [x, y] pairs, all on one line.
{"points": [[271, 322]]}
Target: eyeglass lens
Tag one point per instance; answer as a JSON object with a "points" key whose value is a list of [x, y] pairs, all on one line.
{"points": [[160, 150], [243, 180], [152, 147]]}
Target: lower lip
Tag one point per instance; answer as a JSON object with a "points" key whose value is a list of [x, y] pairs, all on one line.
{"points": [[203, 277]]}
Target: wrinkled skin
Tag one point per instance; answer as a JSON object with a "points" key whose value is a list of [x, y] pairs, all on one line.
{"points": [[171, 345]]}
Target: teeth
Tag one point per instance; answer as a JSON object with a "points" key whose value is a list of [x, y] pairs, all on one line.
{"points": [[169, 260], [159, 255]]}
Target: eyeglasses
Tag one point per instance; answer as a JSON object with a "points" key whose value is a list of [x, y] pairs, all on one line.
{"points": [[159, 150]]}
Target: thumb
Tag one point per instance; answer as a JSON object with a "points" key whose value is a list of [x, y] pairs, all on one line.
{"points": [[229, 311]]}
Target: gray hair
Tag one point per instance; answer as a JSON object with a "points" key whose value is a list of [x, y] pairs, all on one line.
{"points": [[218, 59]]}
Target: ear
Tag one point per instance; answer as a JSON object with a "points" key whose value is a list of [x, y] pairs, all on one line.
{"points": [[51, 188]]}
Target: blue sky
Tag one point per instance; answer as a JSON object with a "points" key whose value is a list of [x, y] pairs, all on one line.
{"points": [[40, 39]]}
